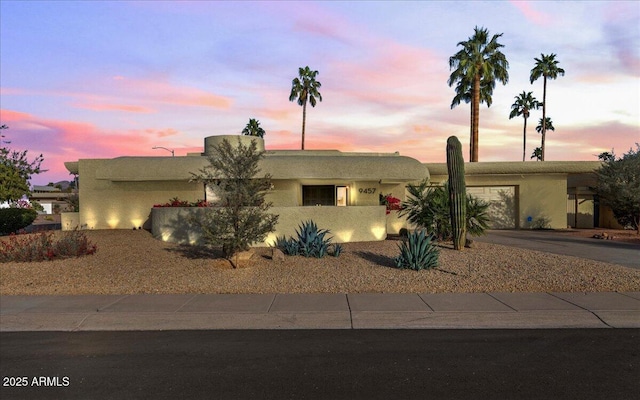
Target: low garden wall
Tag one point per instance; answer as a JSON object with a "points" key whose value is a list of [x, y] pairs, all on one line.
{"points": [[347, 224], [70, 221]]}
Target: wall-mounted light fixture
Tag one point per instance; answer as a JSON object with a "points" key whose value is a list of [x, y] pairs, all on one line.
{"points": [[164, 148]]}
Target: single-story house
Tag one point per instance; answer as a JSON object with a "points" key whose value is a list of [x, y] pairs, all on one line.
{"points": [[338, 190], [52, 199]]}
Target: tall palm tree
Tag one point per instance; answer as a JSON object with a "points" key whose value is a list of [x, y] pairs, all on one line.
{"points": [[547, 67], [523, 104], [253, 129], [305, 88], [463, 93], [479, 63]]}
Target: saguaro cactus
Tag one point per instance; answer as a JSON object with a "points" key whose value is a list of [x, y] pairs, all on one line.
{"points": [[457, 192]]}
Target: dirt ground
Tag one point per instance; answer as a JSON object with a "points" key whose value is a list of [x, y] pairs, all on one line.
{"points": [[618, 235]]}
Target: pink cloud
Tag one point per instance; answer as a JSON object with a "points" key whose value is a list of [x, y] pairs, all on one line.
{"points": [[161, 91], [114, 107], [163, 133], [60, 141], [535, 16], [8, 116]]}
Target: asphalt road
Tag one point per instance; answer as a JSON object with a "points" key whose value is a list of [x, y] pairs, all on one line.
{"points": [[323, 364]]}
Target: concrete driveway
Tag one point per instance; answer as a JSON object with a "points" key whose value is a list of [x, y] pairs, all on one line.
{"points": [[558, 242]]}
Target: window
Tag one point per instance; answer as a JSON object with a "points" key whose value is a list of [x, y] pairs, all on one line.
{"points": [[325, 195]]}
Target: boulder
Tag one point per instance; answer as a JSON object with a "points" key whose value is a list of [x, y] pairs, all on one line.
{"points": [[277, 254]]}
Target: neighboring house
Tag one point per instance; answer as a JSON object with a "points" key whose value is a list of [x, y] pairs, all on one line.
{"points": [[340, 191], [52, 199]]}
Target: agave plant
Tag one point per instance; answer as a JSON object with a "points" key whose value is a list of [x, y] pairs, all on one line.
{"points": [[287, 246], [337, 250], [310, 242], [417, 252]]}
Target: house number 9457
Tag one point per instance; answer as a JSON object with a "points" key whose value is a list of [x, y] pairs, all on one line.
{"points": [[367, 190]]}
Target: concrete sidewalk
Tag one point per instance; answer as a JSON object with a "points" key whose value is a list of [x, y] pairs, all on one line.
{"points": [[320, 311]]}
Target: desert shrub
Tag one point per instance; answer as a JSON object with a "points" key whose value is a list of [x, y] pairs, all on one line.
{"points": [[14, 219], [477, 216], [43, 246], [310, 242], [391, 203], [427, 207], [176, 202], [541, 223], [417, 252]]}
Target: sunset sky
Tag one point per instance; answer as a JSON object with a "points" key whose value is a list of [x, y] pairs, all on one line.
{"points": [[102, 79]]}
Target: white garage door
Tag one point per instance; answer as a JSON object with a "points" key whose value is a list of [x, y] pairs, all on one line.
{"points": [[502, 204]]}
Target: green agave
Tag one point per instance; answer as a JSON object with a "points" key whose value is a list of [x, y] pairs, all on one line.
{"points": [[310, 242], [417, 252]]}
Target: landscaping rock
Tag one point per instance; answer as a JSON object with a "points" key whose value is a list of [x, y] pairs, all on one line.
{"points": [[277, 255], [468, 243], [245, 255]]}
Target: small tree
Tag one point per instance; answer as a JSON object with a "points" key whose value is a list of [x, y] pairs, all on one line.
{"points": [[619, 187], [239, 215], [15, 172]]}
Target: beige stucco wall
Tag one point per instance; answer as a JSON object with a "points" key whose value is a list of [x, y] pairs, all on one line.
{"points": [[105, 204], [539, 198], [541, 188], [347, 224], [70, 221]]}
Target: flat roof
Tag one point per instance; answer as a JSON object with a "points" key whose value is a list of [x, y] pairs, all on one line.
{"points": [[280, 164], [519, 167]]}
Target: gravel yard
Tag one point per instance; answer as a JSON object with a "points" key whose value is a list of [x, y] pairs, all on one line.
{"points": [[129, 262]]}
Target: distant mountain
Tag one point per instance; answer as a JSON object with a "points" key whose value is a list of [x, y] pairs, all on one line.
{"points": [[64, 185]]}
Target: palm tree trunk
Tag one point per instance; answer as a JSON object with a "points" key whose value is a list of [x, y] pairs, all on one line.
{"points": [[304, 119], [471, 133], [524, 139], [544, 114], [476, 116]]}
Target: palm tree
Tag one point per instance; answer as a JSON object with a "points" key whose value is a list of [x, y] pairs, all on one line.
{"points": [[524, 102], [305, 88], [537, 154], [547, 125], [607, 156], [463, 93], [547, 67], [253, 129], [477, 66]]}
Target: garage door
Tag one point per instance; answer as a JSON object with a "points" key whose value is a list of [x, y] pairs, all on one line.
{"points": [[502, 204]]}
